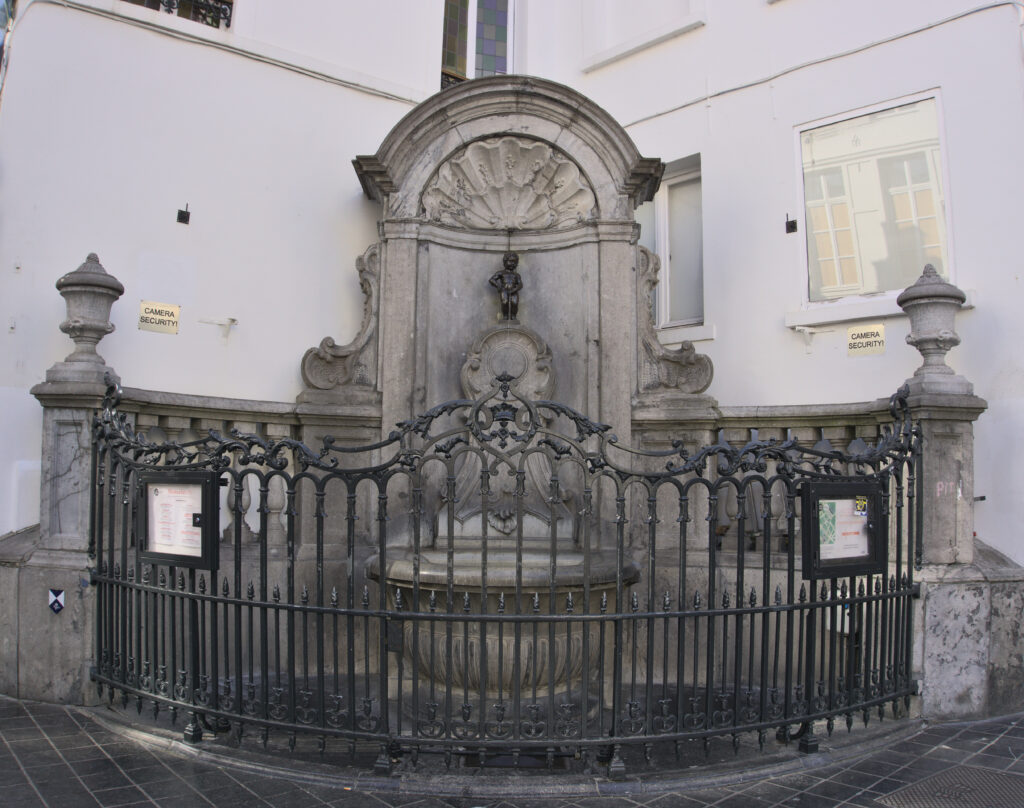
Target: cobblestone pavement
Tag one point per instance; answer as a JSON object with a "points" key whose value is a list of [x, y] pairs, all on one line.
{"points": [[67, 757]]}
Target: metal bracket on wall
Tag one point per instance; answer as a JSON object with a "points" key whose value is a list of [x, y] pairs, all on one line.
{"points": [[808, 333]]}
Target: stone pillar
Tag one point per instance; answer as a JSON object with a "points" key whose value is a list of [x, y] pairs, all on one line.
{"points": [[617, 306], [55, 649], [964, 673], [398, 334], [946, 407]]}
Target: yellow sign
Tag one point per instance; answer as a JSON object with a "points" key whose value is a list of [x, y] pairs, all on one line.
{"points": [[160, 317], [865, 340]]}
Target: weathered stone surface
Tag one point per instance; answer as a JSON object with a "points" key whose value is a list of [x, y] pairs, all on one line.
{"points": [[663, 370], [66, 476], [509, 183], [15, 550], [1006, 648], [336, 367], [509, 163], [932, 304], [55, 650], [89, 292], [947, 479], [954, 671]]}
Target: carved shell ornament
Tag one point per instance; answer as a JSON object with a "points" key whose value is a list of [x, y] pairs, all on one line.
{"points": [[509, 183]]}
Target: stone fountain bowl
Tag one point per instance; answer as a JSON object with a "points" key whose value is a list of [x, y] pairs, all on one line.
{"points": [[538, 641]]}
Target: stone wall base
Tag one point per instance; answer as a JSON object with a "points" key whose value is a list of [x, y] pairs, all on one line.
{"points": [[969, 636], [44, 656]]}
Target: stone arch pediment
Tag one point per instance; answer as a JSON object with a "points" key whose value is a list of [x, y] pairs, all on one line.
{"points": [[518, 107]]}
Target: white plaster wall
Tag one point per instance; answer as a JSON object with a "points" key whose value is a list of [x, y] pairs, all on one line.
{"points": [[754, 272], [751, 174], [106, 130], [383, 42]]}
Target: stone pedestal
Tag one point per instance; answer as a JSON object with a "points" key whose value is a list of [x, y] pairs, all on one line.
{"points": [[970, 637], [971, 598], [52, 650]]}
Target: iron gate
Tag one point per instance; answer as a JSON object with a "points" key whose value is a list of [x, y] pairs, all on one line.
{"points": [[499, 581]]}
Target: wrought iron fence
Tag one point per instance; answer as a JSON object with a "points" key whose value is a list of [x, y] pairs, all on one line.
{"points": [[500, 582], [208, 12]]}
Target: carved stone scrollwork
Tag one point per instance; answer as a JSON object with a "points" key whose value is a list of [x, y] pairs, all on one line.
{"points": [[511, 349], [663, 369], [509, 183], [330, 365]]}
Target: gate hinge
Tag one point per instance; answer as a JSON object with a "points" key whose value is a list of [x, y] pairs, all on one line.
{"points": [[394, 636], [915, 591]]}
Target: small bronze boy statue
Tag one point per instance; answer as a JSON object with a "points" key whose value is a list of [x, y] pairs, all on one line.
{"points": [[508, 283]]}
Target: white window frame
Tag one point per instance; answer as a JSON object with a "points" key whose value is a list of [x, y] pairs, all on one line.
{"points": [[671, 331], [873, 304]]}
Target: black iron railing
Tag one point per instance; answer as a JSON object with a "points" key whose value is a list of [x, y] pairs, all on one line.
{"points": [[500, 581], [209, 12]]}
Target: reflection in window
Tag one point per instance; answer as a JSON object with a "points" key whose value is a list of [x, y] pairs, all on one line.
{"points": [[873, 201], [476, 39], [208, 12]]}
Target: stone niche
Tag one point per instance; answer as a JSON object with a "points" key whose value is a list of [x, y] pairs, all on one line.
{"points": [[517, 164], [492, 166]]}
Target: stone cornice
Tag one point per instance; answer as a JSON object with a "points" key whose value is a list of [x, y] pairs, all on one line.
{"points": [[514, 105], [185, 405]]}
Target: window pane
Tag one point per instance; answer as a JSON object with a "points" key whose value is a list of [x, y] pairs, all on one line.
{"points": [[925, 203], [929, 231], [884, 195], [686, 284], [491, 37], [918, 168], [834, 184], [828, 273], [812, 187], [840, 215], [645, 218], [453, 57], [819, 219], [901, 206], [844, 242], [849, 271]]}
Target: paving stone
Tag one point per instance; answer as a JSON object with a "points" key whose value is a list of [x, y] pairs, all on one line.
{"points": [[121, 773], [162, 789], [675, 801], [116, 797], [109, 778]]}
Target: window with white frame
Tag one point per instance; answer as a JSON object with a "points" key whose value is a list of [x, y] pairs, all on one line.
{"points": [[671, 226], [477, 39], [873, 201]]}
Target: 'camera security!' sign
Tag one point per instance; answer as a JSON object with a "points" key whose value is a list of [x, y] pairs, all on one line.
{"points": [[160, 317], [864, 340]]}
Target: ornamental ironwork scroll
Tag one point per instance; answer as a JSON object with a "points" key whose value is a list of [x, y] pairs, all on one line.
{"points": [[561, 637]]}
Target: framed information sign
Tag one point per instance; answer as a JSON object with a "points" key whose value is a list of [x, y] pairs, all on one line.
{"points": [[180, 517], [844, 530]]}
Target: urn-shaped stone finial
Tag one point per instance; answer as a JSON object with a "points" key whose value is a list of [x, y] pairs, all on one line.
{"points": [[932, 304], [88, 293]]}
